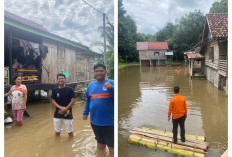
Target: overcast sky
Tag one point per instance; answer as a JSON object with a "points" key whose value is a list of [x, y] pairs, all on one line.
{"points": [[152, 15], [71, 19]]}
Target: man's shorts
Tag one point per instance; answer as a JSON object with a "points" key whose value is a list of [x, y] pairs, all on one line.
{"points": [[58, 123], [104, 134]]}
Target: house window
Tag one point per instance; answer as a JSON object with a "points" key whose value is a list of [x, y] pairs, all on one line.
{"points": [[211, 53], [156, 53]]}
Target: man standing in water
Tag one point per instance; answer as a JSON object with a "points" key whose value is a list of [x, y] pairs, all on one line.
{"points": [[178, 109], [100, 105], [63, 98]]}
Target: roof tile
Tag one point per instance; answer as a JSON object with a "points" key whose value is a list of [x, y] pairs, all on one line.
{"points": [[218, 24]]}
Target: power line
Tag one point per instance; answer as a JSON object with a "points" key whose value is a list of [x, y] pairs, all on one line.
{"points": [[108, 20], [105, 17], [92, 7], [98, 11]]}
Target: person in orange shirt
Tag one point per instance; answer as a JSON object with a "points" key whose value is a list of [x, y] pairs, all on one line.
{"points": [[178, 109]]}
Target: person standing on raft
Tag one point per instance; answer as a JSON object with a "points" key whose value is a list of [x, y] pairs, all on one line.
{"points": [[178, 109]]}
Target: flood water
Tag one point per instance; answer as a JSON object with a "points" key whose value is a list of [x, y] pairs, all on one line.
{"points": [[144, 95], [36, 137]]}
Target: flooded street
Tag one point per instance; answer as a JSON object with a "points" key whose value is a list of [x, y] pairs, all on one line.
{"points": [[144, 95], [37, 137]]}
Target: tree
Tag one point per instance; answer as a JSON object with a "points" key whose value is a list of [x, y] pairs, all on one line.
{"points": [[165, 33], [126, 36], [145, 37], [180, 37], [219, 7], [187, 32]]}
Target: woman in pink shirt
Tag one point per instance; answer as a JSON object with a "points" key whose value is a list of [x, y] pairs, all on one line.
{"points": [[19, 99]]}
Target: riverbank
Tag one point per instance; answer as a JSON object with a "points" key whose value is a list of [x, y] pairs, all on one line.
{"points": [[123, 65]]}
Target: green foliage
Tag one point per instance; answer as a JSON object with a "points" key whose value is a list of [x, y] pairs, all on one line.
{"points": [[187, 32], [165, 33], [181, 37], [219, 7], [126, 36], [110, 63], [141, 37], [109, 29]]}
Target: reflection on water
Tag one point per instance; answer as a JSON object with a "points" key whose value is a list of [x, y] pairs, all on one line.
{"points": [[36, 137], [144, 95]]}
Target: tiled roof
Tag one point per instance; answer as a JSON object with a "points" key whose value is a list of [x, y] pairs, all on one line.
{"points": [[218, 24], [19, 20], [152, 45]]}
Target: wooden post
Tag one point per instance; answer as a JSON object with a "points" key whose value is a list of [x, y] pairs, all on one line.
{"points": [[10, 55], [191, 67], [49, 94], [40, 97], [104, 35]]}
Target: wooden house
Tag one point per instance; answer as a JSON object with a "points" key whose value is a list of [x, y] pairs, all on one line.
{"points": [[38, 55], [153, 53], [214, 48], [195, 61], [195, 64]]}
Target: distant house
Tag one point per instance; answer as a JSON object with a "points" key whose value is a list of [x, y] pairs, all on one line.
{"points": [[195, 61], [214, 48], [38, 55], [153, 53]]}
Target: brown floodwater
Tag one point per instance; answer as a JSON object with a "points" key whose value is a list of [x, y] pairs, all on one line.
{"points": [[36, 137], [144, 95]]}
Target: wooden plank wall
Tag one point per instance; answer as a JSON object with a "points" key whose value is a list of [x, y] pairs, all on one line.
{"points": [[216, 55], [62, 58], [49, 64], [223, 57]]}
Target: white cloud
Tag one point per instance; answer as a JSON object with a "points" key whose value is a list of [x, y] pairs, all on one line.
{"points": [[71, 19], [152, 15]]}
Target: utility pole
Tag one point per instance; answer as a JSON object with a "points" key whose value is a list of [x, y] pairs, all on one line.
{"points": [[104, 31], [104, 36]]}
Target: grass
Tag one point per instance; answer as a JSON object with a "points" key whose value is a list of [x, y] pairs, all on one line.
{"points": [[123, 65], [174, 63]]}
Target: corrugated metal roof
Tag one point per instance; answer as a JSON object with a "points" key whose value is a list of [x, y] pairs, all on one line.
{"points": [[20, 20], [142, 45], [169, 53], [218, 24], [29, 26], [193, 55], [152, 45]]}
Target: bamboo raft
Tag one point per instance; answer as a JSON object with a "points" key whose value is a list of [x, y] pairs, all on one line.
{"points": [[194, 146]]}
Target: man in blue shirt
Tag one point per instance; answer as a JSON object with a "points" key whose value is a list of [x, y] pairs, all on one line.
{"points": [[100, 105]]}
